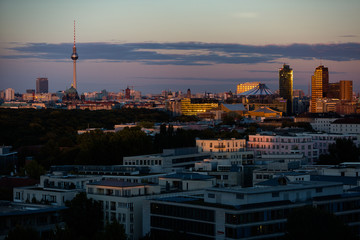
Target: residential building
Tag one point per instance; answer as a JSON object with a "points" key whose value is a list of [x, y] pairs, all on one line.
{"points": [[54, 189], [186, 181], [169, 159], [286, 86], [41, 218], [122, 201], [270, 143], [221, 145], [322, 124], [345, 125]]}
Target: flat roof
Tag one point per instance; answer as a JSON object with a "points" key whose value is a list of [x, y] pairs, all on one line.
{"points": [[292, 186], [12, 209], [115, 183]]}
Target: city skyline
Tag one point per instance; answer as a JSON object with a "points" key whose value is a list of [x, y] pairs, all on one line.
{"points": [[207, 46]]}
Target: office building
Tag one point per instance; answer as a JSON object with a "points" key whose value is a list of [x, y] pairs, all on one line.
{"points": [[246, 213], [346, 90], [319, 85], [244, 87], [286, 86], [193, 106], [334, 90], [42, 85]]}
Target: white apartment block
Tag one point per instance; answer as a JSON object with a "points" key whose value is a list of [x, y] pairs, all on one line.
{"points": [[122, 201], [322, 124], [34, 194], [323, 140], [54, 189], [267, 144], [345, 126], [221, 145]]}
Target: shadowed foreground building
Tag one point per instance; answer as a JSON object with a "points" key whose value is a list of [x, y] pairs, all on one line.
{"points": [[245, 213]]}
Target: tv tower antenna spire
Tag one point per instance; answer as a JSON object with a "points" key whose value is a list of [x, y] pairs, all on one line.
{"points": [[74, 57]]}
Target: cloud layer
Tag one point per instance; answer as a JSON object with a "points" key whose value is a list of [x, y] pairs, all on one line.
{"points": [[187, 53]]}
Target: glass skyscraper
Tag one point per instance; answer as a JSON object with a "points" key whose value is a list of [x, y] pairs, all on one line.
{"points": [[319, 85]]}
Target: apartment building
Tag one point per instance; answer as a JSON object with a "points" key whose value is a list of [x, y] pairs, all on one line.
{"points": [[122, 201], [221, 145]]}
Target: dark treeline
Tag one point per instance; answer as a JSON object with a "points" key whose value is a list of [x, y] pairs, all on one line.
{"points": [[50, 136], [23, 127]]}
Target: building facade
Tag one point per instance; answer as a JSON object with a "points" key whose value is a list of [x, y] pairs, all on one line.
{"points": [[346, 90], [245, 213], [319, 85], [122, 201], [244, 87], [286, 86], [221, 145], [42, 85], [193, 106]]}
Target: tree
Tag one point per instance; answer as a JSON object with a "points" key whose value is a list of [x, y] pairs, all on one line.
{"points": [[20, 232], [313, 223], [83, 218], [33, 170], [343, 150], [113, 231]]}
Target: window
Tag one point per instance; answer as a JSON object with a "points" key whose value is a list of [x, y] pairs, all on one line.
{"points": [[211, 195], [319, 189], [275, 194]]}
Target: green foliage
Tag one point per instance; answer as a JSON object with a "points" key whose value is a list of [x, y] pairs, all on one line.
{"points": [[343, 150], [20, 232], [33, 170], [113, 231], [313, 223], [84, 217]]}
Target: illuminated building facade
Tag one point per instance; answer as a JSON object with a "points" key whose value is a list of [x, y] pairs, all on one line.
{"points": [[286, 85], [221, 145], [42, 85], [244, 87], [346, 90], [319, 85], [194, 106]]}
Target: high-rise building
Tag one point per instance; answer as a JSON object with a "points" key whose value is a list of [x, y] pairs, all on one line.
{"points": [[42, 85], [346, 90], [286, 85], [9, 94], [334, 90], [244, 87], [319, 85]]}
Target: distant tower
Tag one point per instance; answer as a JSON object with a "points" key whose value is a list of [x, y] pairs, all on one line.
{"points": [[188, 93], [74, 57], [286, 86], [42, 85]]}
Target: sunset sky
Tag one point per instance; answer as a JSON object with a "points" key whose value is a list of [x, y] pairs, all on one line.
{"points": [[153, 45]]}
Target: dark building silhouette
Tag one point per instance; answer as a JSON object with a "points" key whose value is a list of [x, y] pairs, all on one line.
{"points": [[286, 86], [42, 85]]}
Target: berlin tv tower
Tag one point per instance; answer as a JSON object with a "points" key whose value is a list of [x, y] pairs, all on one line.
{"points": [[74, 57]]}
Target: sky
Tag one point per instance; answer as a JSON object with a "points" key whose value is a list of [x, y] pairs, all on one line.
{"points": [[155, 45]]}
